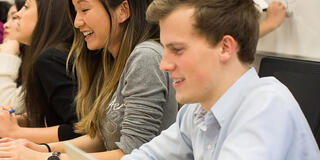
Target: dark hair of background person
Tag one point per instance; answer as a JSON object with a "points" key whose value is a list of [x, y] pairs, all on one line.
{"points": [[19, 4], [53, 30], [99, 74], [4, 9]]}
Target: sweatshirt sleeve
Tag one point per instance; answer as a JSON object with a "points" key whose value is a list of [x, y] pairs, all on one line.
{"points": [[145, 91], [10, 94], [59, 88]]}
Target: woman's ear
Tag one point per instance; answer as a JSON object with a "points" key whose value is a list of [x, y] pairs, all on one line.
{"points": [[228, 48], [123, 11]]}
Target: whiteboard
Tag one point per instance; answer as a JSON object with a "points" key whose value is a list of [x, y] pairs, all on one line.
{"points": [[299, 35]]}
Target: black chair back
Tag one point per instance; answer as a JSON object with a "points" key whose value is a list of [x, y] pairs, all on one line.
{"points": [[303, 80]]}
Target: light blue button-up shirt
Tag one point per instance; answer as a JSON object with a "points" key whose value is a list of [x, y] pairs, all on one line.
{"points": [[256, 119]]}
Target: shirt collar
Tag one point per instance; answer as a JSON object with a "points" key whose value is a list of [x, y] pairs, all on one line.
{"points": [[229, 102]]}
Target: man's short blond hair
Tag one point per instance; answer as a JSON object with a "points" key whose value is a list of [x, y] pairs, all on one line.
{"points": [[217, 18]]}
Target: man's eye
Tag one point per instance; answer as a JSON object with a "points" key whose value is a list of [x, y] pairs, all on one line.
{"points": [[176, 50]]}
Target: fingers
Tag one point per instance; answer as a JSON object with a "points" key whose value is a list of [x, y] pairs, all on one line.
{"points": [[5, 140], [6, 108], [15, 150], [6, 143], [276, 6], [6, 151], [4, 113], [5, 155], [5, 148], [276, 3], [7, 111]]}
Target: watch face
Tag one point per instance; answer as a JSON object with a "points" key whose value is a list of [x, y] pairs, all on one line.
{"points": [[53, 158]]}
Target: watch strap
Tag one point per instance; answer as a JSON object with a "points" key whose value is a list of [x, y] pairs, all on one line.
{"points": [[54, 156]]}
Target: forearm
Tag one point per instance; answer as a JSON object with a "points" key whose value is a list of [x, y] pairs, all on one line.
{"points": [[37, 135], [108, 155], [84, 143]]}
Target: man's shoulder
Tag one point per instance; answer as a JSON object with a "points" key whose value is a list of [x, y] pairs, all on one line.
{"points": [[270, 86]]}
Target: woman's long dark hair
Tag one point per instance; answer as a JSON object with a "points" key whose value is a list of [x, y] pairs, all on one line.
{"points": [[19, 4], [53, 30]]}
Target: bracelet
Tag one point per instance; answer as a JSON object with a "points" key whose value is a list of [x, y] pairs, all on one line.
{"points": [[45, 144]]}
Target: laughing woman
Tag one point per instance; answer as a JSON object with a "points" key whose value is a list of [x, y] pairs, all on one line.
{"points": [[124, 100]]}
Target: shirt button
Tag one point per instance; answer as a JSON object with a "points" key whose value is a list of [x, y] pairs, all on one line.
{"points": [[209, 147]]}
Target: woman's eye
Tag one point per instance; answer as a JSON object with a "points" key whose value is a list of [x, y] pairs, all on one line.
{"points": [[84, 10]]}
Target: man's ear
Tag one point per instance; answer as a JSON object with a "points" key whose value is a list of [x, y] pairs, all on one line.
{"points": [[123, 11], [228, 48]]}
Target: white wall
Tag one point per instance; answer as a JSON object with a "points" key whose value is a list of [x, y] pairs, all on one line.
{"points": [[299, 35]]}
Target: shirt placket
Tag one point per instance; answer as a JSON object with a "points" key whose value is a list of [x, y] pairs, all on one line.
{"points": [[210, 136]]}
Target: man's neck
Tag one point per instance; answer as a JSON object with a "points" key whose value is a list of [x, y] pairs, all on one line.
{"points": [[229, 78]]}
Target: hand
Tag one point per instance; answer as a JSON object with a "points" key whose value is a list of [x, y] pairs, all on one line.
{"points": [[10, 47], [276, 13], [6, 108], [8, 123], [26, 143], [17, 150]]}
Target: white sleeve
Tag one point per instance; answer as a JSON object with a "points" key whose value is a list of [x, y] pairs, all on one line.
{"points": [[10, 94]]}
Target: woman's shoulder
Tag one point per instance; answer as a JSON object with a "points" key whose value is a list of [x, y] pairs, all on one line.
{"points": [[53, 54], [148, 47], [148, 53]]}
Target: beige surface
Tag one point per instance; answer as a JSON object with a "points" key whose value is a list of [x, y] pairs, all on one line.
{"points": [[75, 153]]}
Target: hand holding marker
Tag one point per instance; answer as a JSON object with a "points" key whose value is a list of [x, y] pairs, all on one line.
{"points": [[11, 111]]}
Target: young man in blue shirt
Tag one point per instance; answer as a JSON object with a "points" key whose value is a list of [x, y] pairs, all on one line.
{"points": [[230, 113]]}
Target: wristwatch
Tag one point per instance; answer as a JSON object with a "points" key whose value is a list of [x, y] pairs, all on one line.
{"points": [[54, 156]]}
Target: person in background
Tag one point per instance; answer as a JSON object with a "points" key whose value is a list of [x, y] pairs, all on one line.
{"points": [[124, 99], [11, 54], [48, 89], [1, 32], [230, 113], [276, 14], [4, 9]]}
